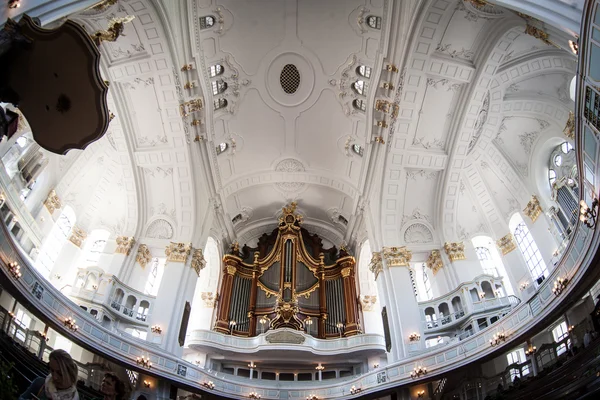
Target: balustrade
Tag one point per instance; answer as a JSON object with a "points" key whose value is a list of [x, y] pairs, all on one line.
{"points": [[125, 301]]}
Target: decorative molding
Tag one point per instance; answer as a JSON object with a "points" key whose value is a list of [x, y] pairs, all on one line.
{"points": [[506, 244], [397, 256], [160, 228], [198, 261], [376, 264], [124, 244], [77, 237], [455, 250], [143, 256], [569, 130], [209, 299], [434, 262], [418, 233], [533, 208], [368, 302], [52, 202], [286, 337], [178, 252], [539, 34], [290, 166]]}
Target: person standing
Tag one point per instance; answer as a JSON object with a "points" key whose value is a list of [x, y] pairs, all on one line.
{"points": [[60, 384], [112, 387]]}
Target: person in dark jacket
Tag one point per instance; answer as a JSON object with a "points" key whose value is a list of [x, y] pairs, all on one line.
{"points": [[60, 384], [112, 388]]}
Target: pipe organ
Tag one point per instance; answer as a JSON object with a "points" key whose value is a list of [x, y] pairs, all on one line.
{"points": [[288, 281]]}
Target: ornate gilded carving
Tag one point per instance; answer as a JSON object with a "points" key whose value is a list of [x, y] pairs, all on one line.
{"points": [[478, 4], [116, 26], [382, 105], [124, 244], [569, 130], [538, 34], [368, 302], [397, 256], [434, 262], [198, 261], [533, 208], [455, 250], [77, 237], [346, 272], [376, 264], [289, 216], [189, 107], [287, 315], [143, 256], [178, 252], [286, 337], [208, 298], [52, 202], [506, 244], [231, 270], [103, 5]]}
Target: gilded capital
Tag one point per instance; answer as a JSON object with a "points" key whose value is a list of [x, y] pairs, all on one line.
{"points": [[533, 208], [143, 255], [368, 302], [455, 250], [478, 3], [178, 252], [52, 202], [376, 265], [569, 130], [124, 244], [77, 237], [198, 261], [231, 270], [208, 298], [346, 272], [397, 256], [434, 262], [506, 244]]}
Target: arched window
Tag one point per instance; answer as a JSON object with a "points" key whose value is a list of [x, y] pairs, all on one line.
{"points": [[220, 103], [358, 149], [486, 261], [95, 244], [207, 22], [529, 249], [360, 87], [559, 333], [364, 71], [359, 105], [156, 273], [222, 147], [215, 70], [219, 86], [427, 284], [55, 241], [374, 22], [563, 180]]}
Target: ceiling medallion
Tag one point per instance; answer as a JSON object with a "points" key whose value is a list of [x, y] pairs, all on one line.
{"points": [[289, 78], [290, 165]]}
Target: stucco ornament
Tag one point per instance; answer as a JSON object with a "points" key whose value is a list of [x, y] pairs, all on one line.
{"points": [[455, 250]]}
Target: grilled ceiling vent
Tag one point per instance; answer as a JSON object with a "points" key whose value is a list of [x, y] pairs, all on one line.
{"points": [[289, 78]]}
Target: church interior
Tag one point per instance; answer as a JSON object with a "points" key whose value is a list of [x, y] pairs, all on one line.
{"points": [[302, 199]]}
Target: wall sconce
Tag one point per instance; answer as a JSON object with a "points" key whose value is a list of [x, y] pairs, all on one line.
{"points": [[70, 323], [574, 47], [312, 397], [232, 325], [208, 385], [523, 286], [498, 338], [560, 284], [414, 337], [11, 314], [14, 269], [146, 383], [14, 3], [319, 367], [530, 351], [44, 336], [251, 365], [144, 362], [588, 215], [95, 287], [420, 393], [187, 67], [391, 68], [254, 395], [355, 390], [571, 328], [156, 329], [418, 372], [387, 86], [381, 124]]}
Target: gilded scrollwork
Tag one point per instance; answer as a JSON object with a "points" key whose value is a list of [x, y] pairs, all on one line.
{"points": [[455, 250], [124, 244], [506, 244], [52, 202], [178, 252], [434, 262], [143, 256], [376, 264], [397, 256], [368, 302], [198, 261], [533, 208], [77, 237]]}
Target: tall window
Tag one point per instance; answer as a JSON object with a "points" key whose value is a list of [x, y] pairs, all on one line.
{"points": [[559, 333], [95, 245], [219, 103], [427, 284], [486, 261], [531, 253], [517, 357], [563, 181], [55, 241], [215, 70], [156, 272]]}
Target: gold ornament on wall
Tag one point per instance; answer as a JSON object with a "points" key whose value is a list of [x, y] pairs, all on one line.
{"points": [[376, 265], [368, 302], [538, 34], [478, 4], [569, 130], [208, 298], [189, 107], [434, 262], [52, 202], [198, 261], [77, 237], [506, 244], [178, 252], [533, 208], [455, 250], [124, 244], [116, 26], [397, 256], [143, 255]]}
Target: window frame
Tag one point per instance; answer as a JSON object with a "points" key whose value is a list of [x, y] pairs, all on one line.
{"points": [[219, 103], [487, 264], [215, 70], [364, 71], [530, 251], [359, 105], [204, 22], [374, 22], [218, 87]]}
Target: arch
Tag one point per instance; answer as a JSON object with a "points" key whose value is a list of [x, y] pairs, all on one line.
{"points": [[444, 309], [486, 288], [142, 311], [457, 304], [119, 294], [474, 295], [106, 321], [91, 281]]}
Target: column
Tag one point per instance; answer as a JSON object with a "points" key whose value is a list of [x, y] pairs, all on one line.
{"points": [[322, 297], [514, 264], [222, 324], [64, 272], [349, 279], [253, 294]]}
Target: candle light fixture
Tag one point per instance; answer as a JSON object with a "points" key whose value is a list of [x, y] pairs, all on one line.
{"points": [[588, 215], [312, 397], [414, 337], [355, 390], [14, 269], [498, 338], [524, 286], [144, 362], [254, 395], [420, 393], [208, 385], [156, 329], [418, 371], [70, 323], [530, 351], [232, 325], [560, 284], [319, 367], [146, 383]]}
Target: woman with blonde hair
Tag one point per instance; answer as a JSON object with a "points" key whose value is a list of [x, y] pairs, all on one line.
{"points": [[60, 384]]}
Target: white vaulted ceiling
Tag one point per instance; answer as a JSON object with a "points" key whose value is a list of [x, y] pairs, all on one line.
{"points": [[478, 102]]}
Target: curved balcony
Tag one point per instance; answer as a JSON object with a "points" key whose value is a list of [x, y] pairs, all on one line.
{"points": [[129, 304], [297, 345]]}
